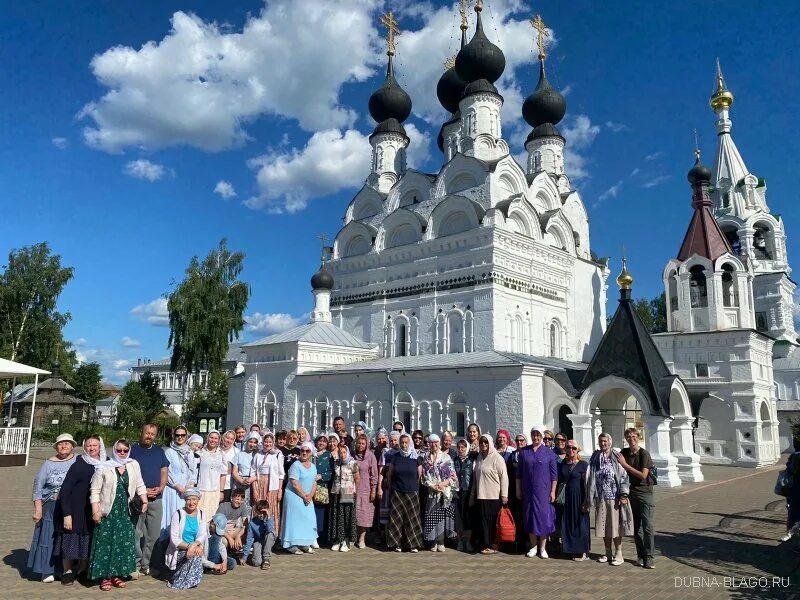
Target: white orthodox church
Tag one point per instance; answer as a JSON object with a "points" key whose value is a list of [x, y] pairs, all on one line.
{"points": [[472, 295]]}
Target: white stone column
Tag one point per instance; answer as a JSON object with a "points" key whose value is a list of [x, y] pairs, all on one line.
{"points": [[582, 432], [658, 445], [688, 460]]}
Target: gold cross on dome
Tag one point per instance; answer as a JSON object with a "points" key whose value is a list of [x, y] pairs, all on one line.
{"points": [[464, 4], [541, 34], [450, 62], [392, 30]]}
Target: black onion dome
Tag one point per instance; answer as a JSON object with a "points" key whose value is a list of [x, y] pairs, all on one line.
{"points": [[545, 104], [699, 173], [449, 89], [390, 101], [480, 86], [480, 58], [544, 130], [322, 279]]}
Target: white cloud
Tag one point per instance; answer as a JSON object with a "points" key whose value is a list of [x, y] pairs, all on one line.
{"points": [[129, 342], [567, 89], [579, 133], [144, 169], [635, 172], [658, 180], [203, 82], [60, 142], [617, 127], [154, 312], [269, 323], [80, 342], [121, 364], [611, 192], [655, 156], [224, 189]]}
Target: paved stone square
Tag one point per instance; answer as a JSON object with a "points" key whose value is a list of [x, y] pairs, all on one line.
{"points": [[725, 527]]}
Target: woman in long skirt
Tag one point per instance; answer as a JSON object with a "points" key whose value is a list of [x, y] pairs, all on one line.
{"points": [[440, 478], [342, 519], [573, 514], [181, 464], [463, 465], [299, 528], [213, 471], [187, 535], [367, 484], [404, 475], [324, 463], [268, 484], [46, 487], [384, 490]]}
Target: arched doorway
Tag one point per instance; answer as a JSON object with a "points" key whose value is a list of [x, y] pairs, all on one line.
{"points": [[564, 424]]}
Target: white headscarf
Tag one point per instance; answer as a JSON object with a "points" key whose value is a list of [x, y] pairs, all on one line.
{"points": [[115, 461], [411, 452], [92, 460]]}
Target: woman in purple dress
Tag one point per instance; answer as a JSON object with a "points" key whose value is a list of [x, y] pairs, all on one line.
{"points": [[537, 476]]}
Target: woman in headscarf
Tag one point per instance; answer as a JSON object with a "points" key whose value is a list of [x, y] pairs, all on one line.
{"points": [[537, 476], [360, 428], [489, 492], [195, 444], [463, 465], [268, 485], [404, 476], [473, 433], [211, 475], [179, 477], [342, 520], [187, 536], [229, 452], [73, 540], [303, 435], [440, 478], [242, 470], [573, 514], [115, 482], [365, 492], [381, 442], [299, 527], [46, 486], [607, 487], [323, 460], [384, 490]]}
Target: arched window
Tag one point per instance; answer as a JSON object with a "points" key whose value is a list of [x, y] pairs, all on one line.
{"points": [[732, 235], [555, 340], [697, 287], [673, 292], [730, 297], [455, 333], [564, 424], [401, 338], [763, 242]]}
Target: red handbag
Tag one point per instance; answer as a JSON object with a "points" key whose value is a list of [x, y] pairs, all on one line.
{"points": [[506, 528]]}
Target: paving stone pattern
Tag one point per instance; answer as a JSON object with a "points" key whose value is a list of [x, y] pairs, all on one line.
{"points": [[725, 527]]}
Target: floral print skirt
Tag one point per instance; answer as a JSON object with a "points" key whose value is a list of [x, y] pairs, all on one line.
{"points": [[112, 543]]}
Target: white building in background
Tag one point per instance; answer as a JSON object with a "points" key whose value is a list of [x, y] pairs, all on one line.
{"points": [[472, 295]]}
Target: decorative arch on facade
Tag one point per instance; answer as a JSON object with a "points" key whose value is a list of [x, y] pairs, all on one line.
{"points": [[595, 392], [404, 404], [367, 202], [520, 216], [359, 410], [401, 339], [264, 412], [455, 214], [543, 193], [555, 341], [765, 244], [508, 179], [461, 173], [575, 213], [559, 233], [429, 415], [322, 417], [400, 228], [306, 414], [354, 239], [518, 338], [458, 413], [413, 188]]}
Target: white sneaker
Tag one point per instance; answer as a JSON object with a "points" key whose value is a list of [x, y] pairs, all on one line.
{"points": [[135, 575], [398, 549], [618, 560], [344, 548], [786, 537], [441, 548], [309, 550], [531, 553], [315, 545], [543, 553], [336, 547], [49, 579], [602, 558], [414, 550]]}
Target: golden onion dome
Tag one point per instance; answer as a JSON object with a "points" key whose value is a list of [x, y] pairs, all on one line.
{"points": [[624, 279], [721, 99]]}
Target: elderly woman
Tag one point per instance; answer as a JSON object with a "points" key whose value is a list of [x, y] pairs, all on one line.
{"points": [[179, 477], [404, 476], [323, 460], [489, 492], [537, 477], [74, 531], [502, 442], [342, 520], [463, 465], [573, 514], [269, 473], [473, 433], [187, 535], [384, 491], [381, 442], [46, 487], [441, 480], [303, 435], [115, 483], [607, 488], [367, 485], [212, 473], [447, 444], [299, 527]]}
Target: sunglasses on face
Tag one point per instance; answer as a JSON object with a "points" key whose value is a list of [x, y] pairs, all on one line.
{"points": [[548, 439], [572, 447], [305, 451], [180, 435], [520, 439], [122, 450]]}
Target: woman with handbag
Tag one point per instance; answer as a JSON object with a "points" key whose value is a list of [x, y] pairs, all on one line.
{"points": [[489, 492], [324, 463], [607, 488], [117, 493], [571, 503], [342, 518]]}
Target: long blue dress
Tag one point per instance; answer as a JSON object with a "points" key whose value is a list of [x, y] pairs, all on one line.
{"points": [[574, 521], [536, 470], [299, 527], [180, 473]]}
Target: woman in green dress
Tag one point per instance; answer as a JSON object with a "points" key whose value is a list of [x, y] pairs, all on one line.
{"points": [[115, 482]]}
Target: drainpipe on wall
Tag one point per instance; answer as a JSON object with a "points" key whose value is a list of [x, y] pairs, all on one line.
{"points": [[391, 384]]}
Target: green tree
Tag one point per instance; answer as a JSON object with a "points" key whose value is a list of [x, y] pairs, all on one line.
{"points": [[206, 311], [653, 313], [86, 380], [213, 399], [30, 324], [139, 401]]}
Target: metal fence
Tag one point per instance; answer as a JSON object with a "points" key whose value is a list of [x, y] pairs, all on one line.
{"points": [[13, 440]]}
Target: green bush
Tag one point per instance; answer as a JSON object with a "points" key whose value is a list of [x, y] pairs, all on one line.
{"points": [[79, 430]]}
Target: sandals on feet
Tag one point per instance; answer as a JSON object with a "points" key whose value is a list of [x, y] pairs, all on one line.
{"points": [[105, 585], [117, 582], [488, 551]]}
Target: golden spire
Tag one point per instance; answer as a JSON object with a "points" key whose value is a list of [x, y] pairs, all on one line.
{"points": [[463, 7], [450, 62], [722, 96], [392, 30], [625, 279], [541, 33]]}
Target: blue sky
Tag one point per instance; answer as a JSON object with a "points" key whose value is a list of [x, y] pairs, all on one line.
{"points": [[112, 152]]}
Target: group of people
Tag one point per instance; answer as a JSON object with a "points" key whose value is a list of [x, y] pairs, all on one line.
{"points": [[205, 506]]}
